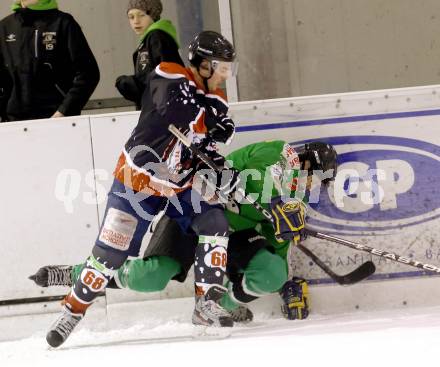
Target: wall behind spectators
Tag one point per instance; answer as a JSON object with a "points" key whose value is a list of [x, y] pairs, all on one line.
{"points": [[286, 48], [106, 27]]}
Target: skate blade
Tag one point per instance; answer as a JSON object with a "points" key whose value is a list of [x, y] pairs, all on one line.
{"points": [[202, 332]]}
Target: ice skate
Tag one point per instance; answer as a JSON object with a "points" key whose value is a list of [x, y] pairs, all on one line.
{"points": [[242, 314], [53, 275], [208, 312], [62, 327]]}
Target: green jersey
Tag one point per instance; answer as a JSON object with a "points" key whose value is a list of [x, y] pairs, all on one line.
{"points": [[268, 169]]}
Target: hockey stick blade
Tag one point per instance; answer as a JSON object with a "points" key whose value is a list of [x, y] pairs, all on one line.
{"points": [[364, 271]]}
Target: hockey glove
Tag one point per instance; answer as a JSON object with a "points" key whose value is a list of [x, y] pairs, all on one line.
{"points": [[228, 182], [224, 183], [289, 220], [223, 131], [220, 127], [295, 296], [211, 151]]}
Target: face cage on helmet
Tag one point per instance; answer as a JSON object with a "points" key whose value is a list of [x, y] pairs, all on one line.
{"points": [[225, 69]]}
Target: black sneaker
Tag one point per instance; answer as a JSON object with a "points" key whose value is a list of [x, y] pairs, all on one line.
{"points": [[62, 327], [53, 275]]}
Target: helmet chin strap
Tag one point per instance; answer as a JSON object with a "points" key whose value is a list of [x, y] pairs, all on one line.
{"points": [[205, 83], [205, 80]]}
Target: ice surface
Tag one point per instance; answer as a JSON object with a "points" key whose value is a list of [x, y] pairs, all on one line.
{"points": [[164, 337]]}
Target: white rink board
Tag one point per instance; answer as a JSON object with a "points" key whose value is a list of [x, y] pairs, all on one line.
{"points": [[35, 227], [109, 134], [401, 114]]}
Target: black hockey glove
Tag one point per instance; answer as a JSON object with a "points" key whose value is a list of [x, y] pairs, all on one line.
{"points": [[295, 296], [211, 150], [289, 220], [224, 131], [225, 183], [220, 127]]}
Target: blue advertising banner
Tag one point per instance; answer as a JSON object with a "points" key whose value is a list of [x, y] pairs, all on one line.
{"points": [[386, 194]]}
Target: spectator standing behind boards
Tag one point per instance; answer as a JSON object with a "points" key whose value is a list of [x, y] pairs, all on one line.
{"points": [[46, 66], [158, 43]]}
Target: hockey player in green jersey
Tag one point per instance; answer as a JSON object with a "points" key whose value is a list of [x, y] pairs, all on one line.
{"points": [[257, 250]]}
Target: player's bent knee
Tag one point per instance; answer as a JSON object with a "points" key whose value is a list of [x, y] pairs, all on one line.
{"points": [[111, 259], [151, 275], [211, 223], [154, 284], [273, 274], [276, 274]]}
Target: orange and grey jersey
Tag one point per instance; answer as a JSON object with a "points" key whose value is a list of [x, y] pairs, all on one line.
{"points": [[153, 160]]}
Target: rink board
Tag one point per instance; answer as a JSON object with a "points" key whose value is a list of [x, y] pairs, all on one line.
{"points": [[35, 226], [386, 194]]}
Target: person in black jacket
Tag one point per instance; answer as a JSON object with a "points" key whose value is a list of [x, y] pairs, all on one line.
{"points": [[46, 66], [158, 43]]}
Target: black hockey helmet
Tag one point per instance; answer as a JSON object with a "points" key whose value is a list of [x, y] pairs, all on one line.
{"points": [[211, 46], [322, 156]]}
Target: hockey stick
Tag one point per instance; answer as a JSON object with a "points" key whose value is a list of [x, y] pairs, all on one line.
{"points": [[371, 250], [358, 274], [45, 299]]}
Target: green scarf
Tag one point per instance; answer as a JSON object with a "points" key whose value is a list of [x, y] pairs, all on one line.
{"points": [[164, 25], [41, 5]]}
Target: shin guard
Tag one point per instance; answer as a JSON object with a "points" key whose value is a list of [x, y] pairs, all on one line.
{"points": [[93, 280], [210, 262]]}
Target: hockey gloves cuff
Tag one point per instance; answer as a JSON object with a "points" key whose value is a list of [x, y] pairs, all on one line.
{"points": [[223, 131], [295, 296], [220, 127], [289, 220]]}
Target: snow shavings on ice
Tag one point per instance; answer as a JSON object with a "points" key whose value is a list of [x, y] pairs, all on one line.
{"points": [[398, 338]]}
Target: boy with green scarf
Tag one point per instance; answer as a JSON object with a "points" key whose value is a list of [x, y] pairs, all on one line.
{"points": [[158, 43]]}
